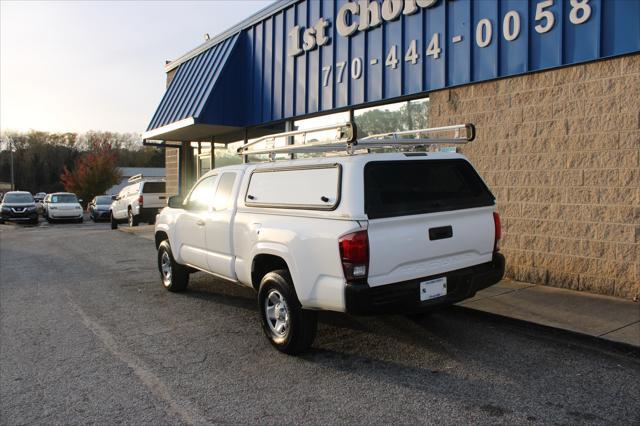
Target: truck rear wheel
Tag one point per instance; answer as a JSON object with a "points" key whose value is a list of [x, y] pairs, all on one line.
{"points": [[175, 277], [133, 219], [289, 328]]}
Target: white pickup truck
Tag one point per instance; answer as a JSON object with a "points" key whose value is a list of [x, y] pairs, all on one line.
{"points": [[399, 232], [140, 201]]}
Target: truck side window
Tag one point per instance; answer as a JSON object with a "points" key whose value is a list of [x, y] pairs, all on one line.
{"points": [[222, 199], [201, 195]]}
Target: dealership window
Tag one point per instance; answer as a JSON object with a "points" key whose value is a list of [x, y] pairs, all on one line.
{"points": [[369, 121], [227, 154], [201, 160], [323, 136], [256, 133], [392, 117], [379, 119]]}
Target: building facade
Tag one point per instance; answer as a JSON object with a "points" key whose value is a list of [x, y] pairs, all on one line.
{"points": [[553, 87]]}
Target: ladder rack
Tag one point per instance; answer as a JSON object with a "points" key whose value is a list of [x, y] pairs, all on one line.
{"points": [[345, 140], [140, 177]]}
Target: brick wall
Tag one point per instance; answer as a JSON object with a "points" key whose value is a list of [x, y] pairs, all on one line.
{"points": [[171, 167], [560, 150]]}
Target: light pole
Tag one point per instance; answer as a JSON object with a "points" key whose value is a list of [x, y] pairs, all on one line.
{"points": [[10, 142]]}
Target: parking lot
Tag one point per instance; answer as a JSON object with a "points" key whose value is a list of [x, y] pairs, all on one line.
{"points": [[88, 334]]}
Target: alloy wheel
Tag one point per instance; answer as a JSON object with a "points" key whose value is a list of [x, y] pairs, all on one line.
{"points": [[277, 313], [165, 268]]}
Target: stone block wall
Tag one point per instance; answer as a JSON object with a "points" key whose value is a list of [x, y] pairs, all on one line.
{"points": [[561, 151]]}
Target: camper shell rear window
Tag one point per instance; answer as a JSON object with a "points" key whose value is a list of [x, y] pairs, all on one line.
{"points": [[403, 188], [153, 188]]}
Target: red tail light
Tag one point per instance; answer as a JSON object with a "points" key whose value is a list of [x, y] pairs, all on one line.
{"points": [[498, 234], [141, 200], [354, 253]]}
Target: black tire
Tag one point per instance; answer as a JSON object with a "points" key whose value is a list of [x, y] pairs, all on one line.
{"points": [[114, 222], [133, 219], [301, 324], [178, 277], [49, 220], [1, 222], [80, 220], [34, 221]]}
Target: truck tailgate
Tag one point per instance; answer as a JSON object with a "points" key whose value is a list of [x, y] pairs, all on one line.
{"points": [[409, 247], [154, 200], [154, 194], [426, 217]]}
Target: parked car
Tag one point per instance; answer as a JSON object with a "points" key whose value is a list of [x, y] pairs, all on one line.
{"points": [[62, 206], [399, 232], [18, 206], [100, 207], [39, 198], [139, 202]]}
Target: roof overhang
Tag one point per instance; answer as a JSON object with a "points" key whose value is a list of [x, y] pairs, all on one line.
{"points": [[184, 112], [189, 130]]}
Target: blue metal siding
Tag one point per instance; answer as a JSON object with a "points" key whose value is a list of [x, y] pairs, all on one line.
{"points": [[192, 85], [301, 65], [313, 58], [276, 85], [290, 70], [328, 53], [620, 31], [513, 56]]}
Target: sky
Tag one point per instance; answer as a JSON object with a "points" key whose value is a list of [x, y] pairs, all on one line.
{"points": [[69, 66]]}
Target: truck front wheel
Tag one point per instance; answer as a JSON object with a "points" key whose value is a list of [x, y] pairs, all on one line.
{"points": [[175, 277], [289, 328]]}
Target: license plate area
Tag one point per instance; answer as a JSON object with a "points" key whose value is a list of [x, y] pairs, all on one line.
{"points": [[433, 289]]}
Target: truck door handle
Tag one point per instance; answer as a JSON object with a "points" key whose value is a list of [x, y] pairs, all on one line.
{"points": [[200, 222], [440, 233]]}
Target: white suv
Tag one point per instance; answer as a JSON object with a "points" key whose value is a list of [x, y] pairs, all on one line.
{"points": [[396, 232], [139, 202]]}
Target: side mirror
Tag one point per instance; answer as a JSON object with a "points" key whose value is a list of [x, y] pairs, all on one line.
{"points": [[175, 202], [80, 200], [114, 197]]}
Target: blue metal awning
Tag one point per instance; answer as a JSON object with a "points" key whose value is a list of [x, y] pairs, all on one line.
{"points": [[178, 115]]}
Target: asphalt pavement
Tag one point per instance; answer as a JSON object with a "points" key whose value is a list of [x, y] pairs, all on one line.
{"points": [[88, 335]]}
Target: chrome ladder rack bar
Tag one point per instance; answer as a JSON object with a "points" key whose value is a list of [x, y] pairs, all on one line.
{"points": [[463, 133], [344, 136]]}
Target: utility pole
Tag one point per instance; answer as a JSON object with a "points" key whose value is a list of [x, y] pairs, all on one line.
{"points": [[13, 184]]}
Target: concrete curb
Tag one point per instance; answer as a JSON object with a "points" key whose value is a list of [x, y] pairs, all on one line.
{"points": [[616, 346], [604, 317]]}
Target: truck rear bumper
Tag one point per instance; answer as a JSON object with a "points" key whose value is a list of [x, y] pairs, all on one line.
{"points": [[404, 297], [148, 213]]}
